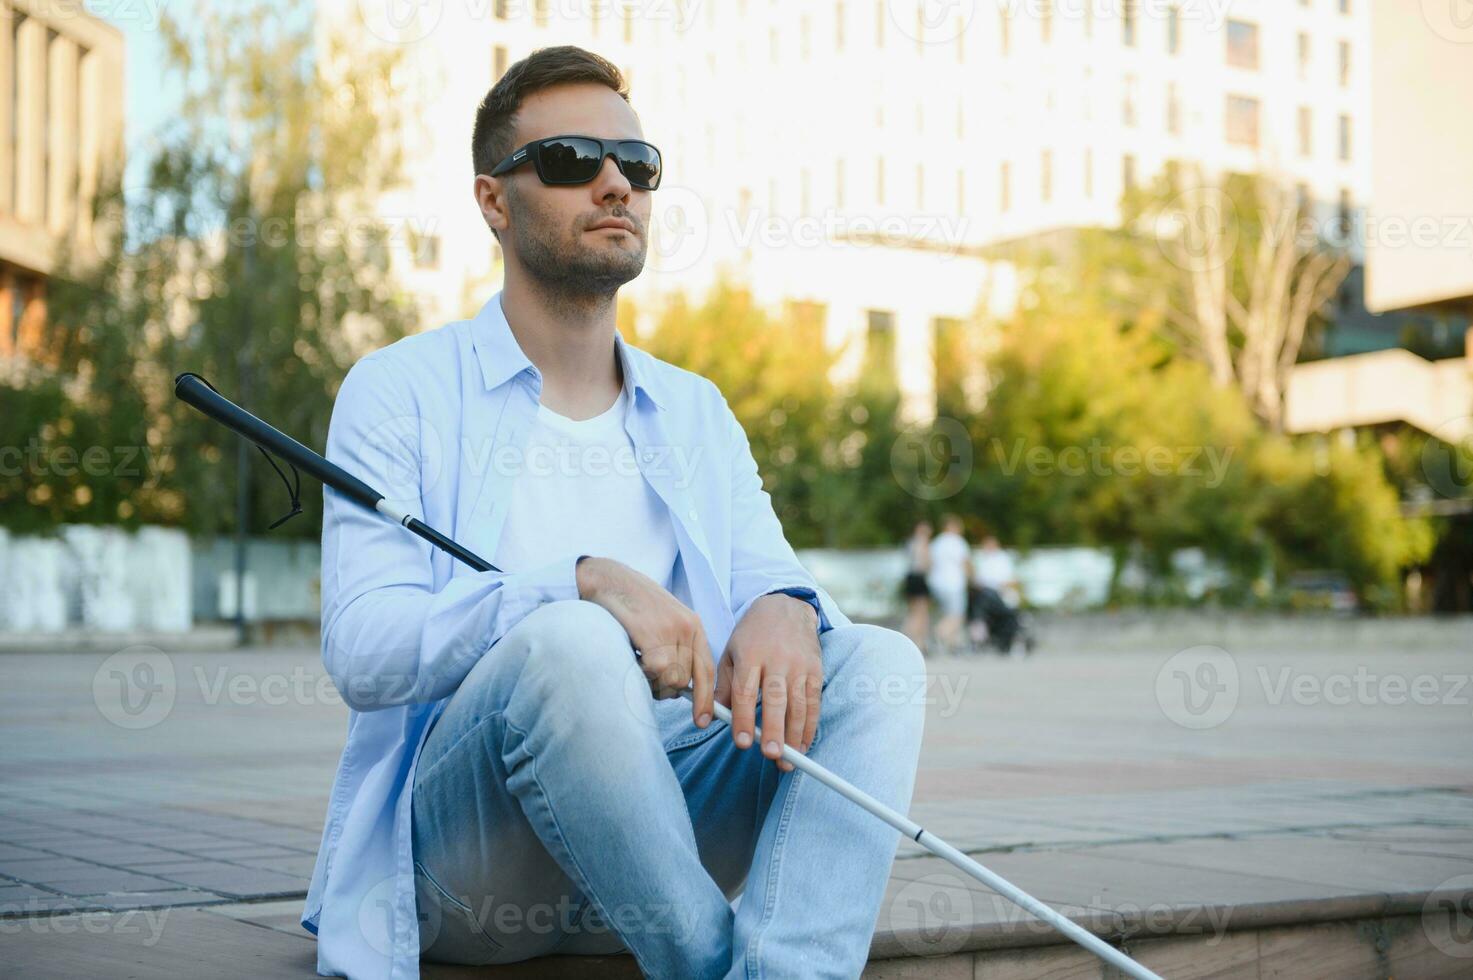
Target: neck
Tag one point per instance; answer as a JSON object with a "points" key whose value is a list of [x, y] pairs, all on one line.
{"points": [[571, 341]]}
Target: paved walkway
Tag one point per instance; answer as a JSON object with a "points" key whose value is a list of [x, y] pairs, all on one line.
{"points": [[164, 809]]}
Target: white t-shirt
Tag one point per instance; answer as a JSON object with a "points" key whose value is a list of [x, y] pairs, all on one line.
{"points": [[995, 569], [949, 553], [577, 490]]}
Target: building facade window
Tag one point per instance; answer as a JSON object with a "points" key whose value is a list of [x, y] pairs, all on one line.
{"points": [[1046, 176], [1242, 44], [1242, 120], [1306, 131], [1127, 23], [1345, 138]]}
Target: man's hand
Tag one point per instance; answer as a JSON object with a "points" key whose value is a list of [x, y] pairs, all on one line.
{"points": [[773, 651], [668, 635]]}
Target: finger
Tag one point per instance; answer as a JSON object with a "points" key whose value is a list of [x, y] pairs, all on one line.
{"points": [[797, 714], [744, 704], [810, 723], [676, 675], [656, 663], [723, 681], [702, 708], [774, 714]]}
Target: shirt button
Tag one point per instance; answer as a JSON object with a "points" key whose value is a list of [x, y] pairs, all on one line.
{"points": [[648, 457], [693, 515]]}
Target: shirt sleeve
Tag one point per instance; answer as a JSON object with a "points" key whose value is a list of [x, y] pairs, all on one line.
{"points": [[388, 637], [762, 561]]}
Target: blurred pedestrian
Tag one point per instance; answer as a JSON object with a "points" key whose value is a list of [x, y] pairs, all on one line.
{"points": [[993, 610], [950, 571], [917, 592]]}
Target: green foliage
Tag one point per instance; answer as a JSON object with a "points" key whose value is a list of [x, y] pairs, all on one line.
{"points": [[823, 452], [243, 255]]}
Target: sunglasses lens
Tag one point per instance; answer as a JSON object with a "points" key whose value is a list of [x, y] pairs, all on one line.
{"points": [[640, 163], [569, 160]]}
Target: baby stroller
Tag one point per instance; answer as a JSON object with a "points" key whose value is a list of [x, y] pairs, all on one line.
{"points": [[993, 623]]}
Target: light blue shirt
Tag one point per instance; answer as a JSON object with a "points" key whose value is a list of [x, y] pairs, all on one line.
{"points": [[436, 422]]}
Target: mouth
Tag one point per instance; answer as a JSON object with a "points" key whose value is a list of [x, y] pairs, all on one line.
{"points": [[615, 224]]}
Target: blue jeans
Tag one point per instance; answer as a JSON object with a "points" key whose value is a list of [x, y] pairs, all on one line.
{"points": [[559, 808]]}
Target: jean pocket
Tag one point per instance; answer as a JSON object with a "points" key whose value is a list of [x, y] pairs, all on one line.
{"points": [[691, 736], [450, 931]]}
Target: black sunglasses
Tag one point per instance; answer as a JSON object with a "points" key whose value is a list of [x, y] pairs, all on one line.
{"points": [[578, 159]]}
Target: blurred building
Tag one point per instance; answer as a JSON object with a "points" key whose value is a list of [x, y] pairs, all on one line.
{"points": [[61, 124], [856, 155]]}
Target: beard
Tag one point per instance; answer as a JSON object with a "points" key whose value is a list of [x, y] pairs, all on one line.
{"points": [[563, 263]]}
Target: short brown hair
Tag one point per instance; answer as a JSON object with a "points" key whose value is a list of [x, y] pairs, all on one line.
{"points": [[491, 140]]}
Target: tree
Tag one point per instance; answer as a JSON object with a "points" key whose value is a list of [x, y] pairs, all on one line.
{"points": [[1245, 272], [242, 255]]}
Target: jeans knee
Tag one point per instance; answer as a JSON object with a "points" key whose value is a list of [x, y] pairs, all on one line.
{"points": [[884, 673], [580, 669]]}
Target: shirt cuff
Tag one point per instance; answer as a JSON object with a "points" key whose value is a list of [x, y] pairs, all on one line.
{"points": [[552, 582], [809, 596]]}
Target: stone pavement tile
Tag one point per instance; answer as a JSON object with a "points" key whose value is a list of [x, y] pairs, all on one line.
{"points": [[1454, 842], [238, 882], [45, 902], [1233, 956], [1052, 962], [164, 899], [1311, 859], [167, 944], [101, 881], [958, 967], [115, 853], [185, 862], [1086, 877], [284, 915], [236, 852], [301, 865], [34, 869]]}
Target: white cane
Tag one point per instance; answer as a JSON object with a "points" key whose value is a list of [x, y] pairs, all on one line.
{"points": [[951, 855]]}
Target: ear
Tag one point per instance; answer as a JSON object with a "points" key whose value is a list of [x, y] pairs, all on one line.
{"points": [[491, 198]]}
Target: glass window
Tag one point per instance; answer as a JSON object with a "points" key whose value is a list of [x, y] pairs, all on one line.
{"points": [[1242, 44], [1242, 120]]}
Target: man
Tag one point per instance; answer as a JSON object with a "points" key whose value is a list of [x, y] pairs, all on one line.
{"points": [[521, 776]]}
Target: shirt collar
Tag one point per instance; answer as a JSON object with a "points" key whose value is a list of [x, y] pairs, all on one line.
{"points": [[502, 358]]}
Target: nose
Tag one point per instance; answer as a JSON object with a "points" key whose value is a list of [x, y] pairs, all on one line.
{"points": [[610, 182]]}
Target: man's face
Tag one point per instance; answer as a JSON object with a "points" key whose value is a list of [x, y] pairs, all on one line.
{"points": [[550, 229]]}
